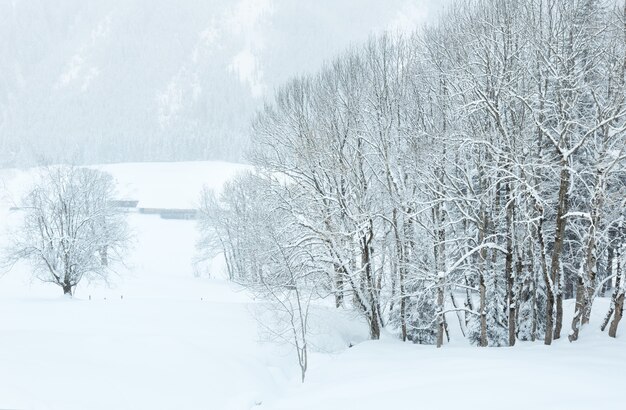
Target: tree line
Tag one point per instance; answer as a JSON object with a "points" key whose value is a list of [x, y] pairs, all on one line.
{"points": [[472, 172]]}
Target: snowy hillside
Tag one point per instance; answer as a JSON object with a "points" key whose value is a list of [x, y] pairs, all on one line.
{"points": [[158, 337], [122, 80]]}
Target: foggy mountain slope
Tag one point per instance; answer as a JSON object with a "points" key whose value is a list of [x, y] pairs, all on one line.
{"points": [[120, 80]]}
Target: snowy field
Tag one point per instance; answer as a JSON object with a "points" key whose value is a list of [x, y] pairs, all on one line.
{"points": [[159, 336]]}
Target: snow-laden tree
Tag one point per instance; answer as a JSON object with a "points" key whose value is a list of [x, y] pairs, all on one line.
{"points": [[472, 172], [70, 230]]}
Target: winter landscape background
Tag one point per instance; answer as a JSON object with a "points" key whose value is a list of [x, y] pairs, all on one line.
{"points": [[277, 204]]}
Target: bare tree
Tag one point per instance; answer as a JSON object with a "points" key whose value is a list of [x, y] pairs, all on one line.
{"points": [[70, 230], [269, 253]]}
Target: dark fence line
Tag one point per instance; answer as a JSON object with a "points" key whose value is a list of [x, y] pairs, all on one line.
{"points": [[171, 213], [123, 203]]}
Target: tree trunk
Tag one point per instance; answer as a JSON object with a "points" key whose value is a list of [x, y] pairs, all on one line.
{"points": [[401, 266], [482, 288], [403, 310], [580, 308], [440, 261], [67, 289], [483, 312], [374, 324], [568, 289], [617, 302], [409, 251], [508, 269], [614, 298], [591, 263], [609, 261], [559, 237], [339, 274], [619, 310], [440, 310], [104, 255], [558, 320], [533, 334], [587, 279], [366, 263], [548, 282]]}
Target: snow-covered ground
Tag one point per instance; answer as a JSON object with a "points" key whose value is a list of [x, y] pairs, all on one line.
{"points": [[159, 337], [388, 374]]}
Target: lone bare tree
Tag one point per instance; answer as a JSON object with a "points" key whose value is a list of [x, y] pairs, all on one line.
{"points": [[266, 253], [70, 229]]}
